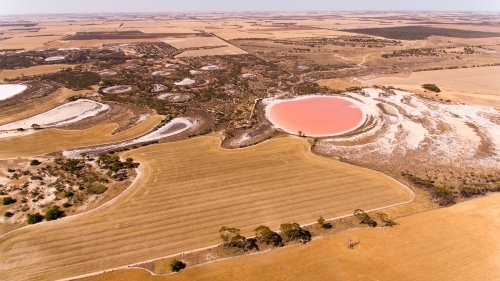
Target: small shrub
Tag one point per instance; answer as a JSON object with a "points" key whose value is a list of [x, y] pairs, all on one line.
{"points": [[98, 189], [35, 162], [176, 266], [68, 194], [324, 224], [66, 205], [8, 201], [8, 214], [34, 218], [431, 87], [53, 213]]}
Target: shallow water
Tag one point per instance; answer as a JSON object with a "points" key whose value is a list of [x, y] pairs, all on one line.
{"points": [[316, 116]]}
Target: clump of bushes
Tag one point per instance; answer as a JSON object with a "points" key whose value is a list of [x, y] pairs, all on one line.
{"points": [[35, 162], [34, 218], [176, 265], [431, 87], [469, 191], [442, 195], [53, 213], [8, 200], [418, 180]]}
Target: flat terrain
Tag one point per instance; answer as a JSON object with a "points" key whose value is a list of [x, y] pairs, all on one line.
{"points": [[455, 243], [479, 85], [35, 70], [185, 192], [33, 107], [50, 140]]}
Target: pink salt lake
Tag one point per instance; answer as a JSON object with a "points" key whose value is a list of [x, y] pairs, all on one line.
{"points": [[316, 116]]}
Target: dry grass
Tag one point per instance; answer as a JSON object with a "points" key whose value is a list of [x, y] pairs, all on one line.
{"points": [[455, 243], [478, 85], [36, 70], [185, 192], [22, 42], [475, 80], [339, 83], [51, 140]]}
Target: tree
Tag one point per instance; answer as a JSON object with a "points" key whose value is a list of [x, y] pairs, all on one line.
{"points": [[53, 213], [232, 237], [35, 162], [176, 266], [364, 218], [35, 126], [266, 235], [8, 214], [8, 200], [386, 221], [321, 221], [293, 231], [34, 218]]}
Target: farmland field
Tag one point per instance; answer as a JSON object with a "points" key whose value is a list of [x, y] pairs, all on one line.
{"points": [[51, 140], [477, 85], [442, 242], [184, 193], [30, 71]]}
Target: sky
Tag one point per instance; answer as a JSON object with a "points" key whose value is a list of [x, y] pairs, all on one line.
{"points": [[16, 7]]}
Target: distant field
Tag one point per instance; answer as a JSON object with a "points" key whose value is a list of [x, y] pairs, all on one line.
{"points": [[479, 85], [27, 42], [122, 35], [200, 42], [51, 140], [185, 192], [422, 32], [35, 70], [455, 243]]}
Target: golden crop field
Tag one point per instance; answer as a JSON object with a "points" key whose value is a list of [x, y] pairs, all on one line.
{"points": [[50, 140], [35, 70], [184, 193], [455, 243]]}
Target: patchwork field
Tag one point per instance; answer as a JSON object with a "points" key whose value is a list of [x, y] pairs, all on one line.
{"points": [[51, 140], [445, 244], [185, 192]]}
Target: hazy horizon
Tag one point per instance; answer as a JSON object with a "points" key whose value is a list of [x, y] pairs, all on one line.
{"points": [[36, 7]]}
